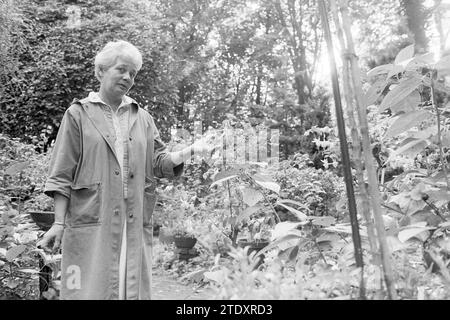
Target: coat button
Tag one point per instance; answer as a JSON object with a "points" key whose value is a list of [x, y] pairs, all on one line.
{"points": [[131, 175], [116, 172]]}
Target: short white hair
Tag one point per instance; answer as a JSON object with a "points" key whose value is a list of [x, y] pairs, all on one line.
{"points": [[113, 50]]}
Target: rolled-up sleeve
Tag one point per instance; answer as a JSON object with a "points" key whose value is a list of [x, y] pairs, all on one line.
{"points": [[64, 159], [163, 166]]}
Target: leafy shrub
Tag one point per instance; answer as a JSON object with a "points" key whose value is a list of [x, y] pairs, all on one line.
{"points": [[238, 279], [319, 189], [18, 261], [30, 181], [22, 172]]}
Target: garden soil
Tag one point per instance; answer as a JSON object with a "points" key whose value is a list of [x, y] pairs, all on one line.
{"points": [[166, 288]]}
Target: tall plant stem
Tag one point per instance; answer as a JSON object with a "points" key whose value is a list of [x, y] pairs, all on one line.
{"points": [[356, 141], [342, 139], [20, 192], [356, 145], [368, 161], [438, 115], [234, 233]]}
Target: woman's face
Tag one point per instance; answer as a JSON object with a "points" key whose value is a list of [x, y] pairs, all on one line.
{"points": [[119, 78]]}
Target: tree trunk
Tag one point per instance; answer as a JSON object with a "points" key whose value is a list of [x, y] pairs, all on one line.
{"points": [[416, 16], [258, 85], [438, 15], [302, 82]]}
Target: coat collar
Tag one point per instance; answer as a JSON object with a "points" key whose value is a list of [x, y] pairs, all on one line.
{"points": [[126, 100], [91, 106], [95, 97]]}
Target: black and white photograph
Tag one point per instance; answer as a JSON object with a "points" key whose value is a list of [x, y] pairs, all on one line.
{"points": [[225, 155]]}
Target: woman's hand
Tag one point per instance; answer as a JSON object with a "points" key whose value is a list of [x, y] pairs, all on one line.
{"points": [[203, 147], [51, 242]]}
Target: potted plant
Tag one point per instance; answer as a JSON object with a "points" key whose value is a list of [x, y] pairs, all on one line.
{"points": [[183, 234], [176, 222], [184, 240], [41, 210]]}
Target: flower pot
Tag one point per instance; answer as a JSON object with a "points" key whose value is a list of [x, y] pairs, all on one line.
{"points": [[182, 242], [44, 219]]}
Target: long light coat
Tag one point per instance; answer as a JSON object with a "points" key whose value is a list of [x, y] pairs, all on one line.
{"points": [[84, 168]]}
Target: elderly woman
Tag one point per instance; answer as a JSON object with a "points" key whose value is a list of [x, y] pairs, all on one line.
{"points": [[101, 176]]}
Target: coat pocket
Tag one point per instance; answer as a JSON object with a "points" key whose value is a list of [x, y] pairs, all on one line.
{"points": [[84, 205]]}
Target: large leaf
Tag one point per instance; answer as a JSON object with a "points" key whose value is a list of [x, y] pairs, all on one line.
{"points": [[14, 252], [300, 215], [273, 186], [411, 148], [410, 103], [374, 92], [251, 196], [408, 121], [437, 178], [283, 243], [283, 228], [301, 205], [424, 134], [287, 242], [328, 237], [404, 55], [267, 182], [224, 176], [410, 232], [400, 92], [379, 70], [16, 168]]}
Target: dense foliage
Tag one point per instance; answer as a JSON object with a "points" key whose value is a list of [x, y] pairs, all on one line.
{"points": [[203, 60]]}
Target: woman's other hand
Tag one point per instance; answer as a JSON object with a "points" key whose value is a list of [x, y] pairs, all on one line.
{"points": [[51, 242]]}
